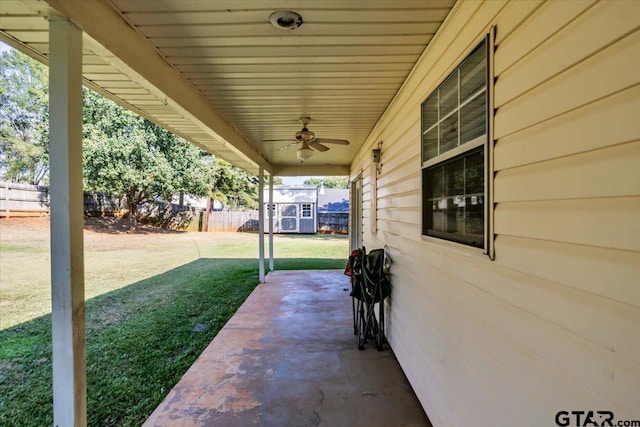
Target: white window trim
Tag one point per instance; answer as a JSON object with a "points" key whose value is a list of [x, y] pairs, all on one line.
{"points": [[302, 206], [451, 245], [461, 149]]}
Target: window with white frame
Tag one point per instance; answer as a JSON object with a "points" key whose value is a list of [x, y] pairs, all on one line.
{"points": [[454, 143], [306, 210]]}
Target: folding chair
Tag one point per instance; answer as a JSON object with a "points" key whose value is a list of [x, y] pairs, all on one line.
{"points": [[369, 286]]}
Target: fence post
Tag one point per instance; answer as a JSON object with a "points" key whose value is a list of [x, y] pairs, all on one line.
{"points": [[207, 214], [6, 198]]}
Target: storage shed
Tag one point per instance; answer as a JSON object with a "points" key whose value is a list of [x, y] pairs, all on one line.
{"points": [[294, 209]]}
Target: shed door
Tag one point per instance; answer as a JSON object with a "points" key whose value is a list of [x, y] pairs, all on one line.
{"points": [[289, 218]]}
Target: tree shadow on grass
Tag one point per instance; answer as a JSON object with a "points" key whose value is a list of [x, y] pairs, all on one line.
{"points": [[140, 340]]}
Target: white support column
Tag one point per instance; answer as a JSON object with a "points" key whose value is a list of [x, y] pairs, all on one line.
{"points": [[261, 273], [67, 257], [271, 212]]}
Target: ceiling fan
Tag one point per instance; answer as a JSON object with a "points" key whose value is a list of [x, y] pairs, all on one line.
{"points": [[308, 141]]}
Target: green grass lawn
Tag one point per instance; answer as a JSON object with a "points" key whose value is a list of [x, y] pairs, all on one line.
{"points": [[154, 302]]}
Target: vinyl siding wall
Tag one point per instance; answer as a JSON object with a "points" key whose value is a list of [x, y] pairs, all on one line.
{"points": [[553, 323]]}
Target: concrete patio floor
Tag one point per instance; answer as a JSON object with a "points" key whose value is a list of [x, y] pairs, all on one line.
{"points": [[289, 357]]}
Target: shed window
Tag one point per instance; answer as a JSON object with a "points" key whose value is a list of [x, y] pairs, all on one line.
{"points": [[454, 142], [306, 210]]}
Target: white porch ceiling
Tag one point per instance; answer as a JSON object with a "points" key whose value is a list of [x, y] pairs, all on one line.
{"points": [[219, 74]]}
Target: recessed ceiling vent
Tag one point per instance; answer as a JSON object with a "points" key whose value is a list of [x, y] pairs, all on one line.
{"points": [[286, 20]]}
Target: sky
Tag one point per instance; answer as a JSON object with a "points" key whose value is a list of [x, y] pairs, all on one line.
{"points": [[294, 180]]}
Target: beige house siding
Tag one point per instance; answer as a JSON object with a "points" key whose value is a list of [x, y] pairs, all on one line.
{"points": [[553, 323]]}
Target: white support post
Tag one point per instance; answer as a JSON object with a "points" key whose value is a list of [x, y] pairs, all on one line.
{"points": [[67, 257], [271, 212], [261, 273]]}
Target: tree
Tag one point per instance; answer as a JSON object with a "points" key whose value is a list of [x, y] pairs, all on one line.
{"points": [[24, 118], [330, 182], [235, 187], [232, 186], [128, 156]]}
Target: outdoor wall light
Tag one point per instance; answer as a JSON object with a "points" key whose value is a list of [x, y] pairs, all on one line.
{"points": [[375, 155]]}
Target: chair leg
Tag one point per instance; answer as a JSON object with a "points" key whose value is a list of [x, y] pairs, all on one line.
{"points": [[369, 324], [362, 325], [380, 335], [355, 316]]}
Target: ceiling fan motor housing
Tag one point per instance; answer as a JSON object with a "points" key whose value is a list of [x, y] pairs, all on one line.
{"points": [[304, 135]]}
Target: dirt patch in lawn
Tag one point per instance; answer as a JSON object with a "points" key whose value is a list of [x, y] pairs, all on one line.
{"points": [[119, 225], [24, 229]]}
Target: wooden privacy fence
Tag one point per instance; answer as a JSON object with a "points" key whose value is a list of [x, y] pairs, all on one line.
{"points": [[23, 199], [333, 222], [246, 221], [100, 204], [30, 200]]}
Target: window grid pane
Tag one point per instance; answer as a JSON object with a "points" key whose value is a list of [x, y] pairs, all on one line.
{"points": [[474, 73], [449, 133], [454, 199], [474, 195], [449, 94], [430, 143], [430, 119], [473, 118]]}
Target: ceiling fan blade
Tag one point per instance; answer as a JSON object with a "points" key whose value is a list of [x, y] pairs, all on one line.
{"points": [[287, 146], [332, 141], [315, 144]]}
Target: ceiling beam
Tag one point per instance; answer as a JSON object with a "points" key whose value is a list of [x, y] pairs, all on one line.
{"points": [[133, 54]]}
